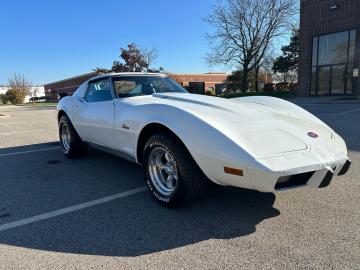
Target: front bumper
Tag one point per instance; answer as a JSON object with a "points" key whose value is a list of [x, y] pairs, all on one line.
{"points": [[317, 178], [345, 167]]}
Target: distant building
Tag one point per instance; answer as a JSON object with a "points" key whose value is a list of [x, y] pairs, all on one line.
{"points": [[210, 79], [3, 89], [68, 86], [329, 47], [36, 91]]}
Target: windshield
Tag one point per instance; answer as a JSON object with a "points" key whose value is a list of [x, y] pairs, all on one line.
{"points": [[145, 85]]}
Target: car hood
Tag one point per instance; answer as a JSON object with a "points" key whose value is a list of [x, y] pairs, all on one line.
{"points": [[239, 110], [262, 129], [216, 108], [258, 126]]}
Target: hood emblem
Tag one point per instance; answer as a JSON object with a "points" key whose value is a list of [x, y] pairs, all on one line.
{"points": [[312, 134]]}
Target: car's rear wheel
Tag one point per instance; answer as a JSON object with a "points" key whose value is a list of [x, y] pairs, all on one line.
{"points": [[172, 175], [71, 144]]}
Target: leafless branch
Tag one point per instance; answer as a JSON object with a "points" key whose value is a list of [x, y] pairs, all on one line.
{"points": [[245, 29], [21, 83], [150, 55]]}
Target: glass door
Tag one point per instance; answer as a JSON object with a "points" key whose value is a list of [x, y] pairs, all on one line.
{"points": [[338, 79], [332, 63], [331, 80], [324, 78]]}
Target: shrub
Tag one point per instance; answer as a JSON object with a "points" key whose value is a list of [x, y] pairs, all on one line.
{"points": [[210, 92], [3, 98], [279, 94], [282, 86], [15, 96]]}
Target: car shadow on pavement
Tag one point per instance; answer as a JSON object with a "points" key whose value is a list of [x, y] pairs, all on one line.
{"points": [[137, 225]]}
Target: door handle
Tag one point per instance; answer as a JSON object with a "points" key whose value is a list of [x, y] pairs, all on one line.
{"points": [[125, 127]]}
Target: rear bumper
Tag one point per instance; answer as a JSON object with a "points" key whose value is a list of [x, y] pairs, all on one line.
{"points": [[299, 177]]}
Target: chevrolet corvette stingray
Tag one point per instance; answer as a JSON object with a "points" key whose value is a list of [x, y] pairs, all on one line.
{"points": [[184, 140]]}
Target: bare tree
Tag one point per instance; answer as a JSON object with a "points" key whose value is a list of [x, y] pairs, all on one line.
{"points": [[21, 83], [245, 29], [20, 87], [150, 55], [265, 64]]}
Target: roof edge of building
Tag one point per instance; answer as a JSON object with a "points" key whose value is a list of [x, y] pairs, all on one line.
{"points": [[71, 78]]}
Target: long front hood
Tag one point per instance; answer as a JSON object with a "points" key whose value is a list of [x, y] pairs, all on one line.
{"points": [[218, 109], [261, 130]]}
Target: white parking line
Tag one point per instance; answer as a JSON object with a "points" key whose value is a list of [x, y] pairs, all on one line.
{"points": [[30, 151], [346, 112], [69, 209], [20, 132]]}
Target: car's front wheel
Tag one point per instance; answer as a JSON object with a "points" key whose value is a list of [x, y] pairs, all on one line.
{"points": [[172, 176], [71, 144]]}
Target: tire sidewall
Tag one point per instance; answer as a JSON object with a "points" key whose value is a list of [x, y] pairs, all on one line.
{"points": [[65, 121], [77, 147], [175, 197]]}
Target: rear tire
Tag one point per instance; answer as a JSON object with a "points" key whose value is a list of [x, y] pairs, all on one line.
{"points": [[171, 174], [71, 144]]}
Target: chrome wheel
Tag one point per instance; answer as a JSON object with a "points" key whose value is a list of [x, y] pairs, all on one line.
{"points": [[65, 137], [163, 170]]}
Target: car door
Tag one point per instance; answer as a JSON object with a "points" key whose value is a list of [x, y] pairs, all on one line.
{"points": [[96, 113], [127, 124]]}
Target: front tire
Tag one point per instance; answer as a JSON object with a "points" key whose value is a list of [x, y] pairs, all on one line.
{"points": [[71, 144], [172, 176]]}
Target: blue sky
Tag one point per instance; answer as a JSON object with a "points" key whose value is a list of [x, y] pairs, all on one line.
{"points": [[51, 40]]}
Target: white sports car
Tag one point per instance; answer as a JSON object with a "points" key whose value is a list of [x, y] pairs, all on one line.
{"points": [[262, 143]]}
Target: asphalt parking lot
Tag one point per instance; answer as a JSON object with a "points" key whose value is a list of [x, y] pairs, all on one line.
{"points": [[93, 213]]}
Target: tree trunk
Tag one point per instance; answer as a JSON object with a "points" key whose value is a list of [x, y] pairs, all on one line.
{"points": [[285, 79], [244, 80], [257, 79]]}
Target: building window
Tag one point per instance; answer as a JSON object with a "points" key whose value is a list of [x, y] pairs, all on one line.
{"points": [[315, 50], [332, 48], [332, 63]]}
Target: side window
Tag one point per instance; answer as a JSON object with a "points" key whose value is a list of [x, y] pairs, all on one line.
{"points": [[129, 88], [99, 91]]}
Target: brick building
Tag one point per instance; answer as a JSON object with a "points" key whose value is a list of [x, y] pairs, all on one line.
{"points": [[209, 79], [68, 86], [329, 47]]}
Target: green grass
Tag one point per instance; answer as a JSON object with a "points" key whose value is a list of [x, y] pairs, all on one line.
{"points": [[280, 94]]}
